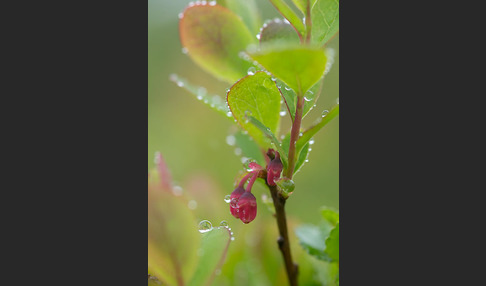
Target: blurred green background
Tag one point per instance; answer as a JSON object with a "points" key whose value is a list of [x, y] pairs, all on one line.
{"points": [[192, 139]]}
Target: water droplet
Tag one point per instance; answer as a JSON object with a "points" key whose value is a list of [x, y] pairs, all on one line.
{"points": [[180, 15], [283, 113], [288, 88], [245, 132], [184, 50], [274, 78], [300, 134], [223, 223], [177, 190], [325, 112], [251, 71], [244, 160], [232, 238], [310, 92], [230, 140], [205, 226], [237, 151], [311, 141], [229, 114], [180, 84], [227, 198], [199, 97], [306, 160], [307, 99], [212, 3], [258, 36], [217, 99], [206, 100], [310, 149], [192, 204], [267, 83]]}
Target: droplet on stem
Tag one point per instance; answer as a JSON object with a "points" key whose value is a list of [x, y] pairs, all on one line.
{"points": [[205, 226]]}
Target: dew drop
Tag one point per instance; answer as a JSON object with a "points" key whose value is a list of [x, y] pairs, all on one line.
{"points": [[311, 141], [180, 84], [232, 238], [212, 3], [227, 199], [180, 15], [192, 204], [229, 114], [300, 134], [227, 90], [206, 100], [251, 71], [283, 113], [199, 97], [230, 140], [205, 226], [244, 160], [267, 83], [223, 223], [288, 88], [307, 99], [177, 190], [184, 50], [325, 112], [258, 36], [306, 160]]}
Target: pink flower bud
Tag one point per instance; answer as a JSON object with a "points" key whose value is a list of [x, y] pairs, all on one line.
{"points": [[274, 168], [235, 195], [247, 207]]}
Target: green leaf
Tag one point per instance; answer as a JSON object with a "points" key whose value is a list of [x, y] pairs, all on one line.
{"points": [[300, 67], [332, 244], [278, 31], [249, 148], [325, 21], [213, 250], [247, 10], [215, 102], [271, 136], [327, 273], [290, 15], [256, 95], [214, 36], [302, 4], [313, 240], [173, 238], [311, 96], [309, 133], [330, 215], [301, 159]]}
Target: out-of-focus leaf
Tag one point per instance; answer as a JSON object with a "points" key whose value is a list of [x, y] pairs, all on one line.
{"points": [[249, 148], [247, 10], [327, 273], [300, 67], [313, 240], [332, 244], [212, 253], [309, 133], [271, 136], [256, 95], [325, 21], [279, 31], [289, 14], [330, 215], [216, 102], [214, 36], [173, 239]]}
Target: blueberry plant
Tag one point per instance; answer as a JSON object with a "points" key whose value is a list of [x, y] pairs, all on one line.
{"points": [[272, 70]]}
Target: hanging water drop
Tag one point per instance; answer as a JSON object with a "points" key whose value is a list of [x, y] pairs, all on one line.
{"points": [[306, 160], [258, 36], [251, 71], [227, 199], [180, 84], [325, 112], [223, 223], [283, 113], [212, 3], [232, 238], [288, 88], [311, 141], [307, 99], [205, 226], [229, 114]]}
